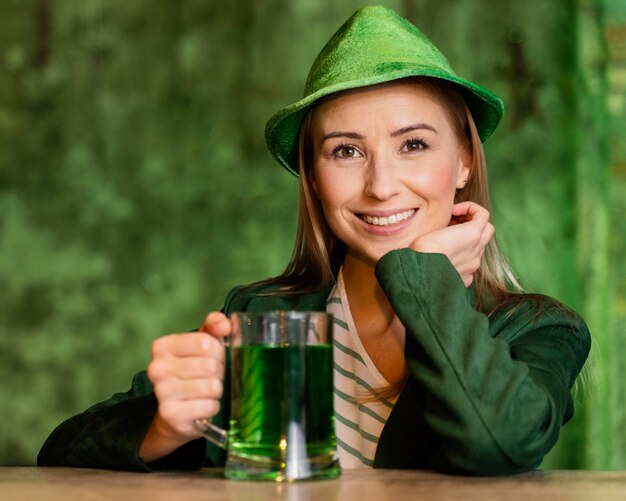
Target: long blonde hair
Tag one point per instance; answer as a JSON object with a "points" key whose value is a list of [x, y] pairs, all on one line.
{"points": [[317, 253]]}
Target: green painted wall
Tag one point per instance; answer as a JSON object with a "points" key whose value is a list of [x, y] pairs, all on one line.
{"points": [[135, 188]]}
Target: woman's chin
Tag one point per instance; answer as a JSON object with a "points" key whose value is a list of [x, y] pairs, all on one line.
{"points": [[371, 256]]}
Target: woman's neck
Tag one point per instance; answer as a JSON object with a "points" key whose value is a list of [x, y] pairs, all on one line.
{"points": [[362, 287], [380, 330]]}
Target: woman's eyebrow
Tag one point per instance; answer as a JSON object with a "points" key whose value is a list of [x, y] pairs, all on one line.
{"points": [[339, 133], [411, 128], [396, 133]]}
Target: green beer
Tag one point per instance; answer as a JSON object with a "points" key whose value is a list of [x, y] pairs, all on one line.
{"points": [[282, 424], [281, 412]]}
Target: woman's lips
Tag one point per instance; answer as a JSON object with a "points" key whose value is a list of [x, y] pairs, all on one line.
{"points": [[390, 220]]}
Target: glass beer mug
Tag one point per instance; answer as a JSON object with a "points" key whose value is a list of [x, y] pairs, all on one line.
{"points": [[281, 407]]}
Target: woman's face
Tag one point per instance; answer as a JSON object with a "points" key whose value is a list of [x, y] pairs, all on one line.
{"points": [[386, 166]]}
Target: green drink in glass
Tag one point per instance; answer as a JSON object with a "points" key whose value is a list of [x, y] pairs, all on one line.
{"points": [[282, 422]]}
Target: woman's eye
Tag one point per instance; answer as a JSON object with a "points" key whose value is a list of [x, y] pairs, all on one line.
{"points": [[414, 145], [345, 151]]}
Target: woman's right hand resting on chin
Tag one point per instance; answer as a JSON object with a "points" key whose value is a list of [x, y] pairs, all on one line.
{"points": [[463, 241], [187, 372]]}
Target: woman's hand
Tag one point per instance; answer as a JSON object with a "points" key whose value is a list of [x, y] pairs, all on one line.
{"points": [[187, 372], [463, 241]]}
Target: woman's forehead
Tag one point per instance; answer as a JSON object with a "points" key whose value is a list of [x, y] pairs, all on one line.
{"points": [[402, 101]]}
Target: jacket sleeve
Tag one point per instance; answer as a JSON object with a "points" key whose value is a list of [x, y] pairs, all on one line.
{"points": [[108, 435], [496, 391]]}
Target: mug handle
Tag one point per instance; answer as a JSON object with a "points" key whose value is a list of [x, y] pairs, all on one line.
{"points": [[212, 433]]}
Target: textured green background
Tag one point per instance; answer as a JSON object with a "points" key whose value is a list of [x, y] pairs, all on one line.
{"points": [[135, 187]]}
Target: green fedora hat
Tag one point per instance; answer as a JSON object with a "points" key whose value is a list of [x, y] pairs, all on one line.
{"points": [[375, 45]]}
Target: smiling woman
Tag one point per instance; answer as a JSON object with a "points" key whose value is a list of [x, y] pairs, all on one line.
{"points": [[441, 362]]}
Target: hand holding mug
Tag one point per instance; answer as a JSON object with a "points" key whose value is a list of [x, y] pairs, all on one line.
{"points": [[187, 372]]}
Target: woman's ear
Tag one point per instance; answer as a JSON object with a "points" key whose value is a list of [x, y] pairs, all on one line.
{"points": [[313, 184], [462, 181], [464, 171]]}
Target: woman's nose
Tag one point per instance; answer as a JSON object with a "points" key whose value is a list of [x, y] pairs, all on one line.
{"points": [[382, 181]]}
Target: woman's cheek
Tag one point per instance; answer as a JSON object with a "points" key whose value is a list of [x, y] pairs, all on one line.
{"points": [[433, 187], [335, 188]]}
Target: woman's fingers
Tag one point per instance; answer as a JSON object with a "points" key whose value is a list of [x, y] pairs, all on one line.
{"points": [[477, 227], [217, 324], [471, 211], [488, 232], [185, 368], [178, 417], [191, 409], [191, 344], [189, 389]]}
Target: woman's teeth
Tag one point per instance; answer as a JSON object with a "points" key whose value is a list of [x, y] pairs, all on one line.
{"points": [[386, 221]]}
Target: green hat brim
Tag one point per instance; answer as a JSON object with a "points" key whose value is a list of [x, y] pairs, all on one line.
{"points": [[283, 128]]}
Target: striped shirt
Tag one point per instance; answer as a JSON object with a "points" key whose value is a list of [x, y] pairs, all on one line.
{"points": [[358, 420]]}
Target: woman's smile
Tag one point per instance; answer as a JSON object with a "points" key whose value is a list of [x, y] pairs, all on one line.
{"points": [[379, 222], [392, 220]]}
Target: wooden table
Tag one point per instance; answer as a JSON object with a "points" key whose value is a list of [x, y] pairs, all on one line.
{"points": [[73, 484]]}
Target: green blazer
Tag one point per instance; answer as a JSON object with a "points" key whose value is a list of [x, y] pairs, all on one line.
{"points": [[485, 395]]}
